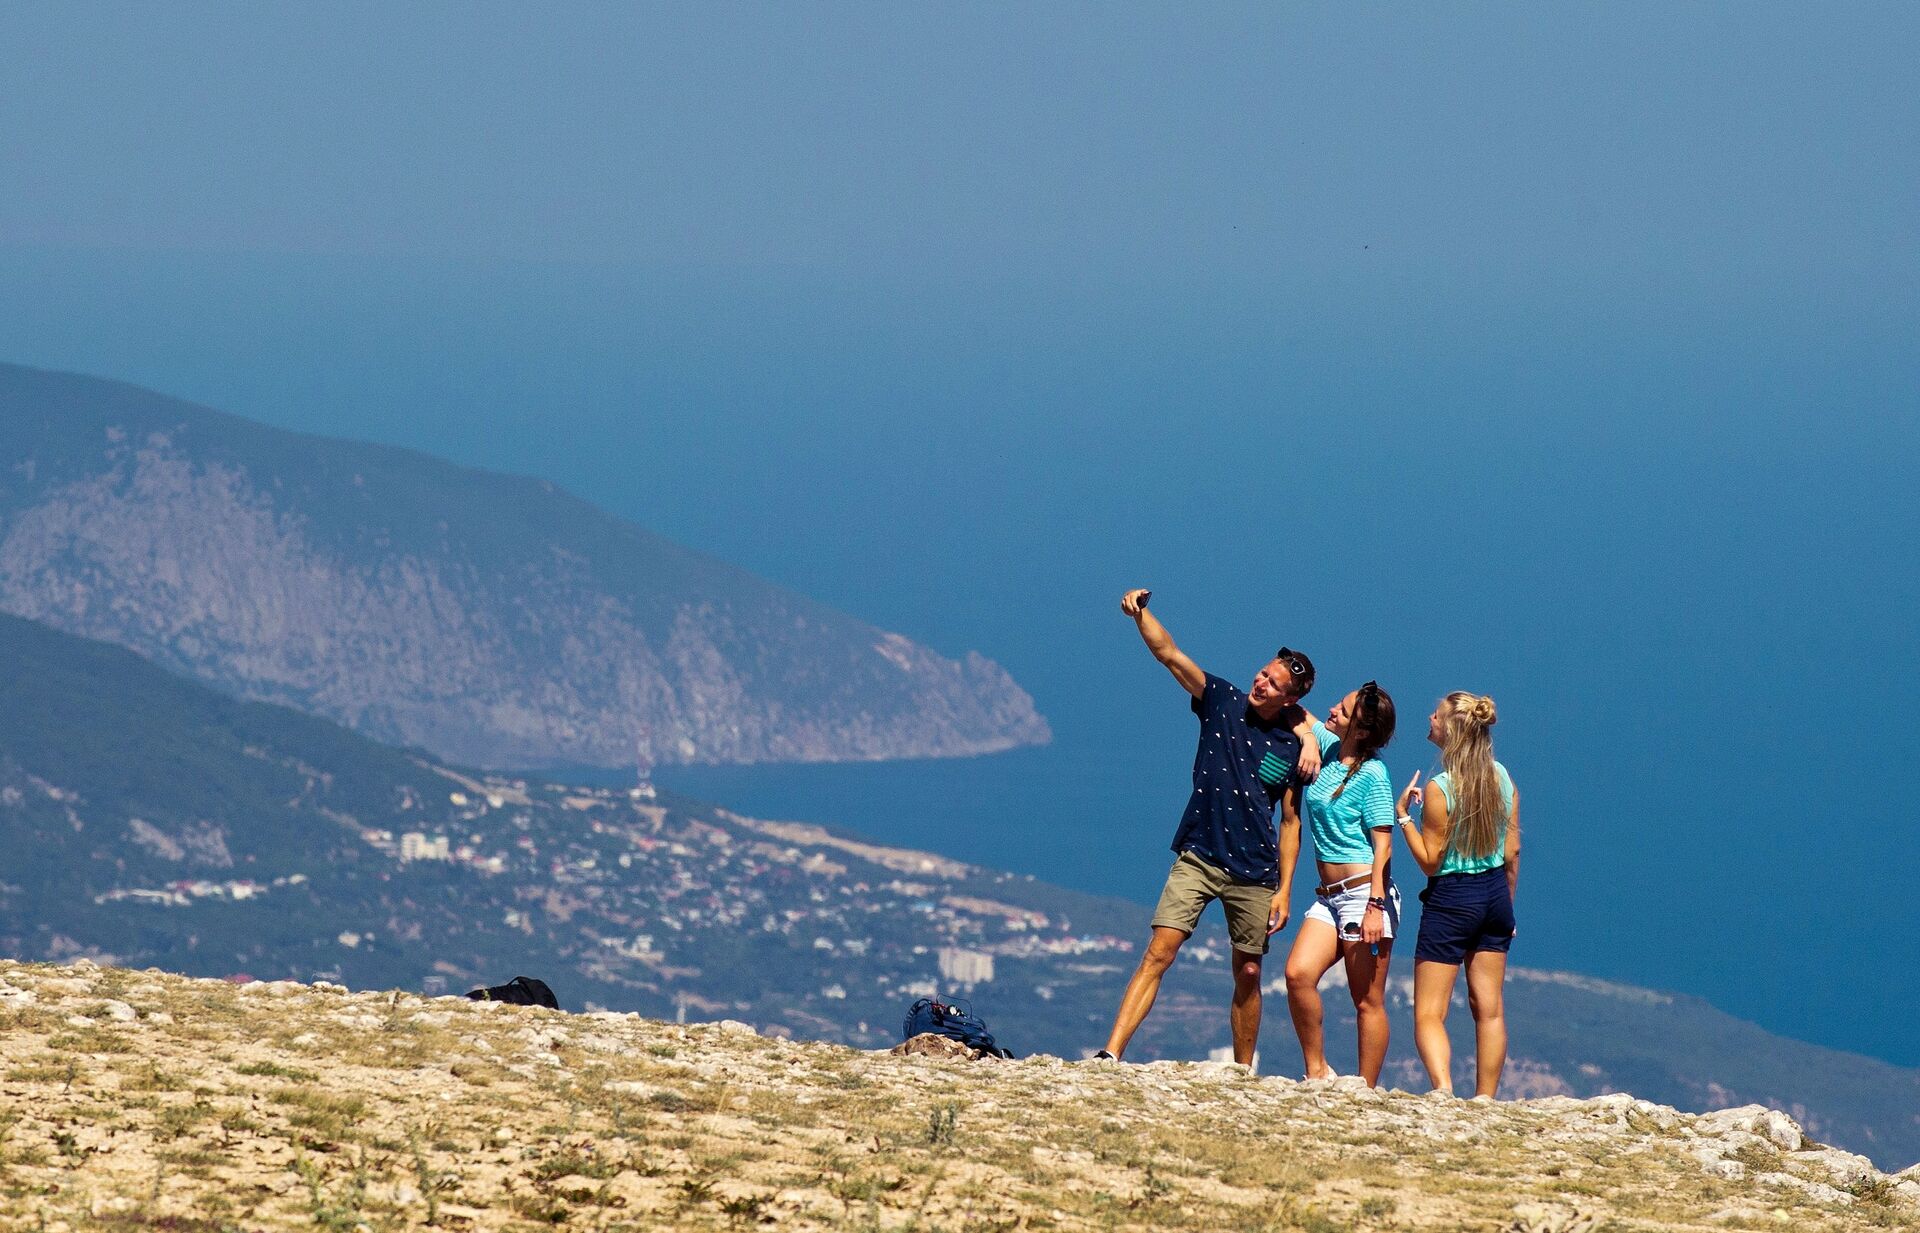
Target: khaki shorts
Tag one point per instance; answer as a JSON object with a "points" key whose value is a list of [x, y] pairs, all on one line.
{"points": [[1192, 884]]}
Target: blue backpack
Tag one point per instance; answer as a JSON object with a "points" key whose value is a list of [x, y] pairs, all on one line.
{"points": [[927, 1015]]}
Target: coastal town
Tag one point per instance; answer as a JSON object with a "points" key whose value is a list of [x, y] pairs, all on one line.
{"points": [[674, 908]]}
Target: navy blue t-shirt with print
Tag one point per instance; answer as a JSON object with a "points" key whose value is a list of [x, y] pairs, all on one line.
{"points": [[1240, 769]]}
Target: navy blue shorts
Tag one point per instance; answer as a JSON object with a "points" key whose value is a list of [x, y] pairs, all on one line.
{"points": [[1464, 912]]}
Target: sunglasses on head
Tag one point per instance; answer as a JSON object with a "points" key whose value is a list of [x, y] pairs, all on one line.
{"points": [[1293, 662]]}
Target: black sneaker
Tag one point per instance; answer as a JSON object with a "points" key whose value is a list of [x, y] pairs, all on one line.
{"points": [[1103, 1056]]}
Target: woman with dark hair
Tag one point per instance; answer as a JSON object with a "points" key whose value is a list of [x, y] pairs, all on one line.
{"points": [[1348, 812], [1468, 841]]}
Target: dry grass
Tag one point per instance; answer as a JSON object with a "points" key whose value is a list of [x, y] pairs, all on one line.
{"points": [[222, 1108]]}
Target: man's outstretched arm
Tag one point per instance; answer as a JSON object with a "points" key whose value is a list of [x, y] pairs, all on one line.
{"points": [[1160, 642]]}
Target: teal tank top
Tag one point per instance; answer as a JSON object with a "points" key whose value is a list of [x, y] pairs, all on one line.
{"points": [[1458, 862]]}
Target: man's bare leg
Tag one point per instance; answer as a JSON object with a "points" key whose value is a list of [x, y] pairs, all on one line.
{"points": [[1315, 949], [1246, 1006], [1145, 986]]}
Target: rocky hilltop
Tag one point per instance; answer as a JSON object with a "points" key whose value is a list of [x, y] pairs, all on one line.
{"points": [[142, 1100], [150, 821], [493, 620]]}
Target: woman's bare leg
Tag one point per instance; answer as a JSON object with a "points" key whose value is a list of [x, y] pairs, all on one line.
{"points": [[1486, 973], [1367, 981], [1432, 992], [1315, 949]]}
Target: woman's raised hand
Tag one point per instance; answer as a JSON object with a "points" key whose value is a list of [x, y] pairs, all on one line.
{"points": [[1411, 797]]}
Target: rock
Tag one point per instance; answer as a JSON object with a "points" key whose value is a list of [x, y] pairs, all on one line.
{"points": [[1823, 1193], [1660, 1115], [1717, 1165], [927, 1044], [363, 1022], [1555, 1104], [14, 999], [1770, 1124], [1820, 1192], [1910, 1173], [1537, 1218], [159, 1016], [1609, 1110], [120, 1012], [733, 1027], [1842, 1166], [1541, 1155], [272, 989], [1782, 1130], [1741, 1118], [1739, 1140]]}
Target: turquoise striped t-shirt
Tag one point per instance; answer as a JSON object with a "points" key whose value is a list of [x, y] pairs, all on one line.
{"points": [[1342, 829], [1457, 861]]}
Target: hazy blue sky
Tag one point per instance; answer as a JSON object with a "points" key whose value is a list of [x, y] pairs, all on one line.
{"points": [[1563, 352]]}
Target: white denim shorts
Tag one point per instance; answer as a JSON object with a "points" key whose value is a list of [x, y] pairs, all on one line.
{"points": [[1344, 910]]}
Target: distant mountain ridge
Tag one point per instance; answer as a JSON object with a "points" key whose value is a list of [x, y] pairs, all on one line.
{"points": [[149, 820], [491, 619]]}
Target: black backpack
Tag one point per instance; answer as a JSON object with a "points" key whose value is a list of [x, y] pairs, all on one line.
{"points": [[969, 1029], [520, 991]]}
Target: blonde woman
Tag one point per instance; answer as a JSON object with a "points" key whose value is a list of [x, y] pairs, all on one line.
{"points": [[1468, 842]]}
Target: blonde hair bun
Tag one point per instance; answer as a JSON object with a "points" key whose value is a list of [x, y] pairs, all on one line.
{"points": [[1481, 711]]}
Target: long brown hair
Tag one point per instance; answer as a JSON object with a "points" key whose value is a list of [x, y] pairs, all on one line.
{"points": [[1478, 810], [1368, 731]]}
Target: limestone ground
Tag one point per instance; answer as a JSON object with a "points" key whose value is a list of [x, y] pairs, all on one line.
{"points": [[138, 1100]]}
